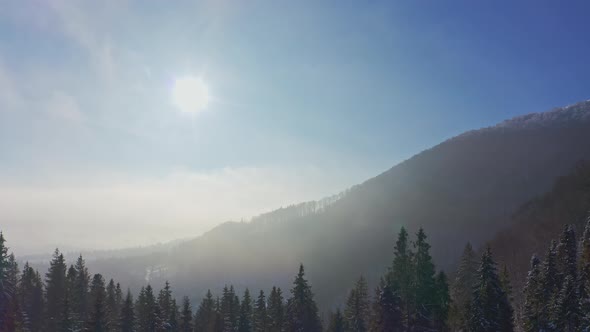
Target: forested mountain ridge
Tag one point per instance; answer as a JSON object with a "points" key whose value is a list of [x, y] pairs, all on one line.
{"points": [[541, 219], [464, 188]]}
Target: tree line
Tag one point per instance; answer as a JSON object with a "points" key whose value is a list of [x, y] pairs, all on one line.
{"points": [[411, 296]]}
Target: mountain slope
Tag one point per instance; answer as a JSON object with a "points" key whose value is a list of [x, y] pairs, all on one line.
{"points": [[542, 219], [462, 189]]}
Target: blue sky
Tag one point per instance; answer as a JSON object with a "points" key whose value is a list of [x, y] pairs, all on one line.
{"points": [[308, 98]]}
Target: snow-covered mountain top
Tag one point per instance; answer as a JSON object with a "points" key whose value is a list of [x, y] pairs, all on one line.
{"points": [[579, 112]]}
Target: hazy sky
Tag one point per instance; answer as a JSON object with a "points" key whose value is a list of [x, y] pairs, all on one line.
{"points": [[306, 98]]}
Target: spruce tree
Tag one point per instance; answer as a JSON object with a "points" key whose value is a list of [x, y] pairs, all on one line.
{"points": [[218, 324], [567, 313], [30, 296], [533, 298], [66, 322], [336, 323], [462, 289], [98, 319], [302, 311], [567, 255], [584, 279], [549, 287], [276, 310], [186, 316], [424, 284], [148, 312], [165, 303], [490, 309], [173, 323], [505, 282], [442, 302], [55, 283], [356, 313], [401, 276], [71, 279], [387, 312], [6, 290], [15, 315], [80, 297], [245, 320], [10, 314], [230, 309], [206, 315], [260, 317], [112, 307], [127, 316]]}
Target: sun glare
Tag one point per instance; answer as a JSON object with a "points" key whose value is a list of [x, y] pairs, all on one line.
{"points": [[190, 94]]}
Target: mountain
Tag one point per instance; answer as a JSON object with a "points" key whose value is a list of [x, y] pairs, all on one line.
{"points": [[542, 219], [465, 188]]}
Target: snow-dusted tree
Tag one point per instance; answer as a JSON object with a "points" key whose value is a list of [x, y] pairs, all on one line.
{"points": [[462, 288], [584, 278], [490, 309], [533, 298], [567, 311]]}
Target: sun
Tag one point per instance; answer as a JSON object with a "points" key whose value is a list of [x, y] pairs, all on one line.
{"points": [[190, 94]]}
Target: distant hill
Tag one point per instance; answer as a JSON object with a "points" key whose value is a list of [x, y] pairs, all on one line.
{"points": [[465, 188]]}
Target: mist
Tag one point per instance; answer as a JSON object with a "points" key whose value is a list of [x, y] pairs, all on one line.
{"points": [[110, 211]]}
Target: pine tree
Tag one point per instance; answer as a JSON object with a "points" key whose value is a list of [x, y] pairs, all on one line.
{"points": [[462, 289], [336, 322], [186, 316], [30, 294], [533, 298], [245, 320], [387, 312], [302, 311], [99, 318], [206, 316], [442, 302], [55, 281], [260, 316], [490, 308], [127, 316], [80, 297], [276, 310], [356, 314], [424, 284], [401, 276]]}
